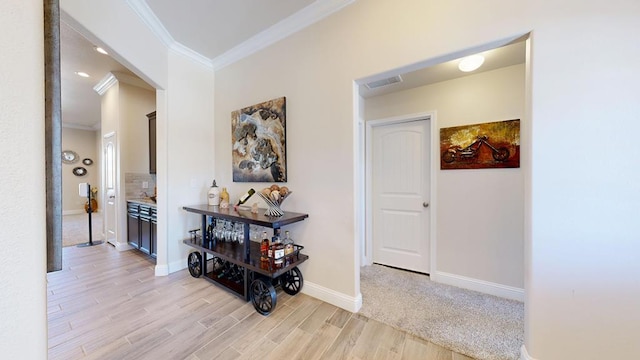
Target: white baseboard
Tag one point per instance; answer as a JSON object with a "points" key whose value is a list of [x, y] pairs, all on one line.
{"points": [[349, 303], [123, 246], [164, 270], [177, 266], [161, 270], [524, 355], [486, 287], [333, 297]]}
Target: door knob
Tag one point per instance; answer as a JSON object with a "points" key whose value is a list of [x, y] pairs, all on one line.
{"points": [[425, 204], [112, 197]]}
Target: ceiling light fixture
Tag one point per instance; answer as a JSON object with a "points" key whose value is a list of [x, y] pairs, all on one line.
{"points": [[83, 74], [471, 63], [101, 50]]}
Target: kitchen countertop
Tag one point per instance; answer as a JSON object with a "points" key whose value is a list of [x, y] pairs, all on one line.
{"points": [[145, 201]]}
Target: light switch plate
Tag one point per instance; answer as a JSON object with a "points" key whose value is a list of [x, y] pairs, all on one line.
{"points": [[145, 184]]}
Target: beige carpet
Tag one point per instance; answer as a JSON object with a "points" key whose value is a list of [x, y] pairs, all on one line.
{"points": [[471, 323], [75, 228]]}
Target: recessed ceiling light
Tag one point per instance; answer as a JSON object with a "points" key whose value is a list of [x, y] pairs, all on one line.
{"points": [[83, 74], [101, 50], [471, 63]]}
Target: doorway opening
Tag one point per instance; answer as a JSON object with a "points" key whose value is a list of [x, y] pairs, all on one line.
{"points": [[434, 90], [398, 95], [93, 107]]}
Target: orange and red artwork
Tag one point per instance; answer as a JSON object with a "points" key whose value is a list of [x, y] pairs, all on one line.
{"points": [[481, 146]]}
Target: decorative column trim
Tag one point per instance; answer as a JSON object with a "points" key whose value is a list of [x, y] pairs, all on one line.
{"points": [[53, 134]]}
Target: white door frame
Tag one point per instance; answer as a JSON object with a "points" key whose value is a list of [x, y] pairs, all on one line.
{"points": [[367, 248], [107, 137]]}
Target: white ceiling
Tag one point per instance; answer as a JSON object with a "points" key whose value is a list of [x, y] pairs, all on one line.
{"points": [[80, 104], [213, 28], [497, 58]]}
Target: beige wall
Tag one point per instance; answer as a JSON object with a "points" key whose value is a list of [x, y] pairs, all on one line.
{"points": [[577, 219], [182, 171], [188, 153], [83, 142], [479, 220], [124, 107], [580, 202], [23, 307], [135, 103]]}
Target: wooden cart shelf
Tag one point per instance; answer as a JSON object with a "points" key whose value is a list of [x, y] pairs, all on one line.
{"points": [[233, 253], [255, 279]]}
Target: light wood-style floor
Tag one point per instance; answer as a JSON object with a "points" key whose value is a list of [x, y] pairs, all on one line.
{"points": [[107, 304]]}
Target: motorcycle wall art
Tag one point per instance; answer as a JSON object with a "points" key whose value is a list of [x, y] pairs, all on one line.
{"points": [[480, 146]]}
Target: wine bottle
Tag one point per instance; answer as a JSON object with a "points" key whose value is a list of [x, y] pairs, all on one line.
{"points": [[278, 252], [224, 198], [264, 247], [226, 271], [288, 247], [245, 197]]}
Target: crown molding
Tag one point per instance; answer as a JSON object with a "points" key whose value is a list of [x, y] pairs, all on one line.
{"points": [[132, 80], [286, 27], [105, 84], [81, 127], [144, 12], [178, 48], [142, 9], [294, 23], [113, 78]]}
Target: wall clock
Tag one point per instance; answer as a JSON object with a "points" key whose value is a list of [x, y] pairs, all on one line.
{"points": [[79, 171], [69, 156]]}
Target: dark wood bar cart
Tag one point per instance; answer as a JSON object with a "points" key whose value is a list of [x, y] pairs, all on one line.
{"points": [[253, 279]]}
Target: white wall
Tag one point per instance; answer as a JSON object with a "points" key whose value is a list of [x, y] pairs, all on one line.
{"points": [[580, 241], [84, 143], [126, 38], [124, 108], [184, 113], [23, 328], [189, 149], [581, 238], [134, 105], [583, 289], [479, 220], [109, 109]]}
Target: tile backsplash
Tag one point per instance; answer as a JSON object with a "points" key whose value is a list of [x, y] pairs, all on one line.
{"points": [[133, 183]]}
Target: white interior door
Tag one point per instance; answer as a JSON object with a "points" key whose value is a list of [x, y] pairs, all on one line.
{"points": [[110, 183], [400, 194]]}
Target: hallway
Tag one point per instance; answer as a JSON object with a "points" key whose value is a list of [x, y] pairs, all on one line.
{"points": [[107, 304]]}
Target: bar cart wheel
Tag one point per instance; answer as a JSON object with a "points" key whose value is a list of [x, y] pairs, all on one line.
{"points": [[194, 263], [291, 281], [263, 296]]}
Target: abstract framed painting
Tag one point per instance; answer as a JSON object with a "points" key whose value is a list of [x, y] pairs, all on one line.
{"points": [[258, 136], [481, 146]]}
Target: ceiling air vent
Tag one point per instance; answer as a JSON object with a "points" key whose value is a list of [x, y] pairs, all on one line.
{"points": [[384, 82]]}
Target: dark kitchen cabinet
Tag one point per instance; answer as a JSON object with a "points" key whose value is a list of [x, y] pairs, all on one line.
{"points": [[142, 227], [145, 229], [152, 142], [154, 232], [133, 227]]}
